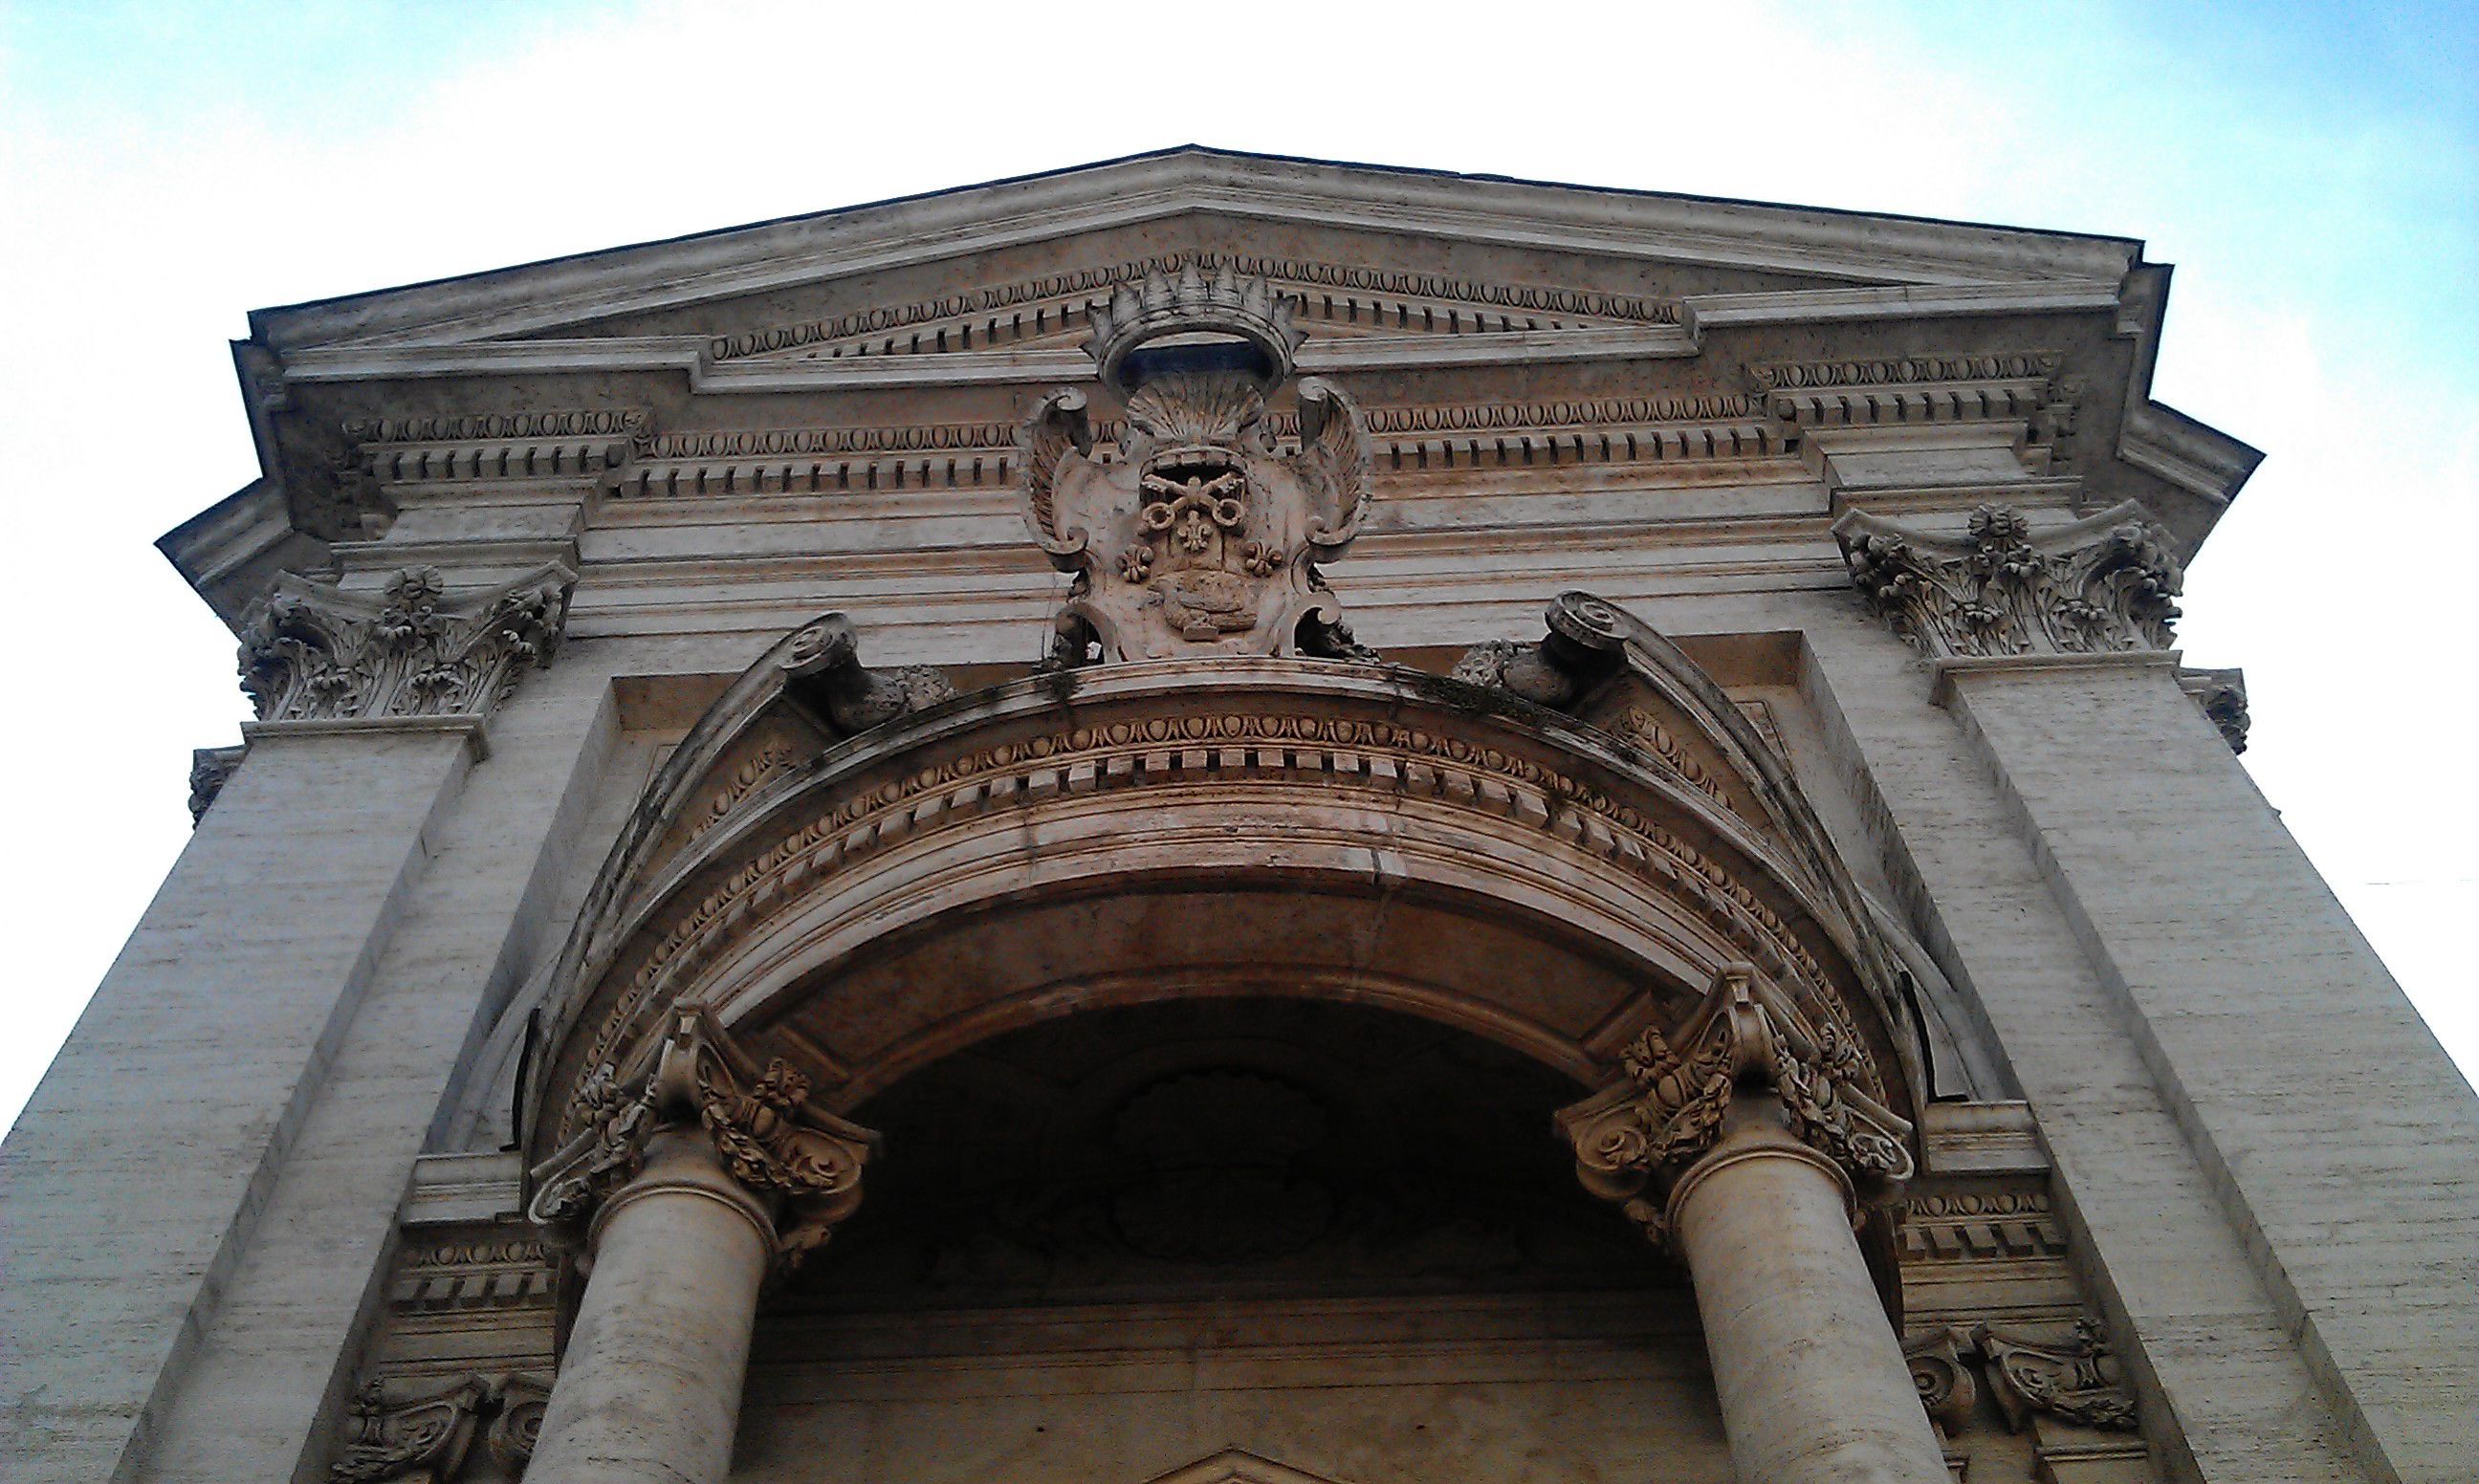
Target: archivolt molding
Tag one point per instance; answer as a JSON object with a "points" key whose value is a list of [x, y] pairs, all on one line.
{"points": [[671, 912]]}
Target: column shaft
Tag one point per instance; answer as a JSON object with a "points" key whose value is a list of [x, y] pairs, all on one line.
{"points": [[648, 1392], [1813, 1385]]}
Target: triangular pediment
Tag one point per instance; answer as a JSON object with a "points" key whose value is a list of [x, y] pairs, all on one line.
{"points": [[1468, 255], [1237, 1466]]}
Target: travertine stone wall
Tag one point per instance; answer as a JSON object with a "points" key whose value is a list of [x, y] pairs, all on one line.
{"points": [[2171, 1269], [2323, 1112], [278, 1342], [145, 1163]]}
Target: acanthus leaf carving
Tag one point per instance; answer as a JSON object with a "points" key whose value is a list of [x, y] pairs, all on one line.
{"points": [[1744, 1036], [2103, 585], [422, 1441], [210, 769], [1201, 534], [2076, 1379], [317, 652], [798, 1158]]}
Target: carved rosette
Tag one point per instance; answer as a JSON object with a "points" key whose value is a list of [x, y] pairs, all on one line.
{"points": [[1201, 536], [801, 1162], [1635, 1138], [317, 652], [2101, 585]]}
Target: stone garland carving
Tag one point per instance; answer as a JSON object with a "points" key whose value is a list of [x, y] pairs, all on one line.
{"points": [[429, 1438], [2103, 585], [1745, 1036], [823, 666], [771, 1139], [1201, 538], [2076, 1379], [316, 652], [1156, 751], [210, 769]]}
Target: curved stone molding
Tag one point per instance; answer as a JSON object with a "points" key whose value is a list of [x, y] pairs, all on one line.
{"points": [[769, 837], [1201, 537], [316, 652], [802, 1159], [2101, 585], [1647, 1130]]}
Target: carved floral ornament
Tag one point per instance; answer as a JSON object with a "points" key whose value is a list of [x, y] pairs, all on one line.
{"points": [[1200, 537], [317, 652], [798, 1158], [1641, 1133], [2101, 585], [427, 1437]]}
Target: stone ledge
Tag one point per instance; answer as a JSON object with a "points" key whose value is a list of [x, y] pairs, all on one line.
{"points": [[1952, 670]]}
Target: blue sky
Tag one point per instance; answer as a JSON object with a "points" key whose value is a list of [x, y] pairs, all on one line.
{"points": [[2312, 169]]}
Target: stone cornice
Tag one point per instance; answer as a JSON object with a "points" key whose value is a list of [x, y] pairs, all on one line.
{"points": [[979, 219]]}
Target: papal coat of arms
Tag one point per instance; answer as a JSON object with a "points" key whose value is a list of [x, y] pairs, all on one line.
{"points": [[1199, 534]]}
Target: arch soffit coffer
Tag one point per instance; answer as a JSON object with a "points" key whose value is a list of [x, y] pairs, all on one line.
{"points": [[813, 786]]}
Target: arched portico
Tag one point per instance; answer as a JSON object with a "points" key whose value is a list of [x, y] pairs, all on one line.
{"points": [[798, 917]]}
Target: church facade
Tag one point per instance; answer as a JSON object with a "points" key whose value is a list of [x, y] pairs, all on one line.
{"points": [[1216, 818]]}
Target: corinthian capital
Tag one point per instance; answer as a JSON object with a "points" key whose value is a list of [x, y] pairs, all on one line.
{"points": [[799, 1160], [1634, 1137], [317, 652], [2098, 586]]}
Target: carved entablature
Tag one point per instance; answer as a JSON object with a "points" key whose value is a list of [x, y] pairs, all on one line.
{"points": [[1639, 1133], [1200, 535], [2103, 585], [317, 652], [800, 1159]]}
